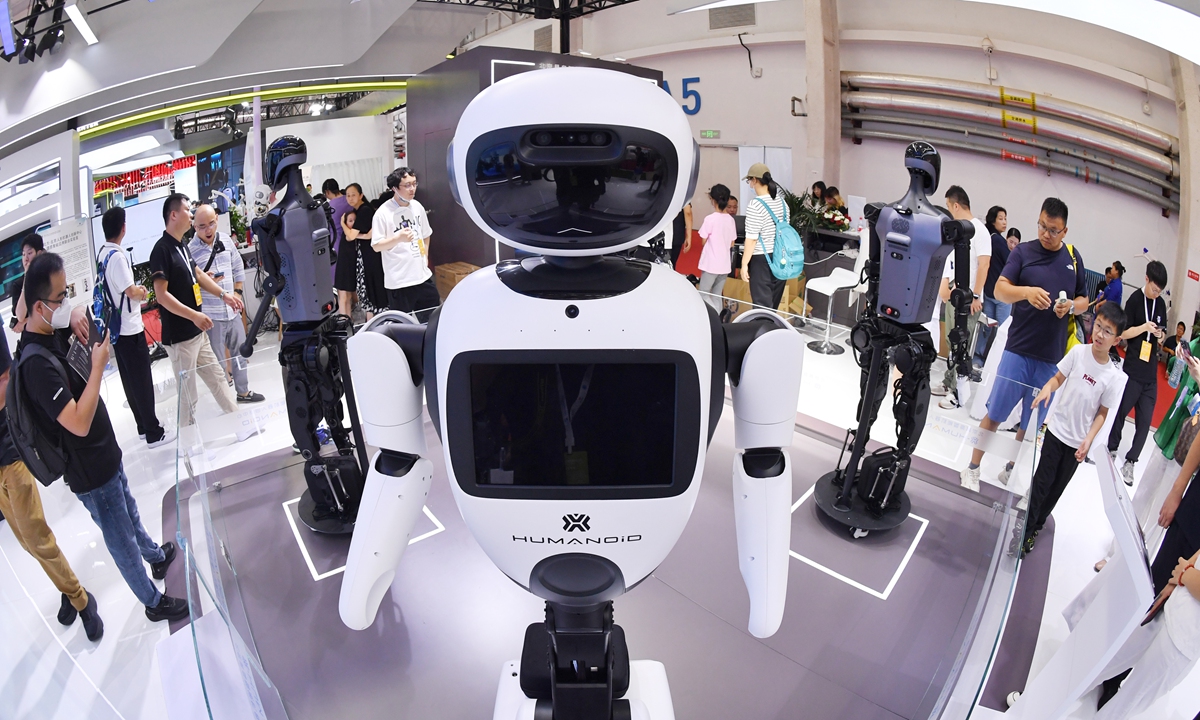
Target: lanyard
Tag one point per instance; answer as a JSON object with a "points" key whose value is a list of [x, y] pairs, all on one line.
{"points": [[569, 415], [1149, 311]]}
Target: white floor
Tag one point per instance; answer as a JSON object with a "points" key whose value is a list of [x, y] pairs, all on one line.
{"points": [[51, 672]]}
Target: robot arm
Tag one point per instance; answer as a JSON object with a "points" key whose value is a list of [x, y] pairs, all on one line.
{"points": [[960, 233], [265, 231], [765, 357], [386, 356]]}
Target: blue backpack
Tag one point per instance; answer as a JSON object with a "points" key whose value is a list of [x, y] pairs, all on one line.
{"points": [[787, 259], [105, 312]]}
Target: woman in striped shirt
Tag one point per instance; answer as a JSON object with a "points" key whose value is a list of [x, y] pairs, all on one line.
{"points": [[765, 289]]}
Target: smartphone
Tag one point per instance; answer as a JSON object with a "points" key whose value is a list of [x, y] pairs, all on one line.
{"points": [[1184, 351], [218, 275]]}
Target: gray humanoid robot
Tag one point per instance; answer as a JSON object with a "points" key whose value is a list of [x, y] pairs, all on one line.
{"points": [[575, 391], [910, 242], [294, 255]]}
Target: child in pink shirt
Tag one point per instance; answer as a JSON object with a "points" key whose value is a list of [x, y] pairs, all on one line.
{"points": [[718, 232]]}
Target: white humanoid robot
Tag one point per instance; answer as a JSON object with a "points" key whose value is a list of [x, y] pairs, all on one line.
{"points": [[575, 391]]}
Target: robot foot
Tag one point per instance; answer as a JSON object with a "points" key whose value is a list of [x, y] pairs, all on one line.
{"points": [[648, 697], [323, 519]]}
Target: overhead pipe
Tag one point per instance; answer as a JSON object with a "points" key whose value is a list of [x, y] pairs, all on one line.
{"points": [[1020, 99], [1009, 119], [1008, 137], [1086, 174]]}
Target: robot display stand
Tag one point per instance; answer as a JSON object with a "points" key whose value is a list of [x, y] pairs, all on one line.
{"points": [[575, 391], [294, 249], [909, 245]]}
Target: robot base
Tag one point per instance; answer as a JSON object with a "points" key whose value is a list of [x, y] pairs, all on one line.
{"points": [[858, 518], [328, 525], [649, 695]]}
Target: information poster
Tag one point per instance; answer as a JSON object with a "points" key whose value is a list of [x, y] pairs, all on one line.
{"points": [[71, 239]]}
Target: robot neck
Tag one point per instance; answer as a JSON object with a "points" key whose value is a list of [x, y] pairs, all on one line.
{"points": [[915, 198], [295, 192]]}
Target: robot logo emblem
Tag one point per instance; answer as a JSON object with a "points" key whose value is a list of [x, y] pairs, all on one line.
{"points": [[579, 522]]}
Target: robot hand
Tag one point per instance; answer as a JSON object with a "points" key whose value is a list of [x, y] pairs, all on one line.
{"points": [[765, 390]]}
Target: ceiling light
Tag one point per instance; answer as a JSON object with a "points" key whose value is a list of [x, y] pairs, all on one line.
{"points": [[27, 51], [6, 33], [585, 52], [80, 22], [1157, 23], [619, 59], [116, 152], [133, 165]]}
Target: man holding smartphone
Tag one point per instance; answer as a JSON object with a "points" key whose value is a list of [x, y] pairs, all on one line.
{"points": [[1147, 320], [217, 256]]}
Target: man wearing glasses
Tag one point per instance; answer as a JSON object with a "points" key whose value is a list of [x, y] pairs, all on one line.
{"points": [[400, 232], [1037, 281]]}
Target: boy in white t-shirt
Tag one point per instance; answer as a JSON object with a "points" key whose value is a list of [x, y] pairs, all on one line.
{"points": [[1091, 385], [400, 232], [131, 352]]}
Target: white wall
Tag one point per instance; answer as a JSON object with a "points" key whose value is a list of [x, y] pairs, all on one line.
{"points": [[63, 148], [343, 140]]}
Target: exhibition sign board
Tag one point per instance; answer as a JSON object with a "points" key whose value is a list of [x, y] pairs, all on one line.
{"points": [[1124, 594], [71, 239]]}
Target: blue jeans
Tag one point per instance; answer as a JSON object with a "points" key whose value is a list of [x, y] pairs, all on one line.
{"points": [[997, 311], [116, 513]]}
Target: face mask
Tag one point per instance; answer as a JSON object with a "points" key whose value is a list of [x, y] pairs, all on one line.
{"points": [[61, 318]]}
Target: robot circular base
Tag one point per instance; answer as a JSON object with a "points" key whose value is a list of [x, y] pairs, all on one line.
{"points": [[329, 525], [857, 518]]}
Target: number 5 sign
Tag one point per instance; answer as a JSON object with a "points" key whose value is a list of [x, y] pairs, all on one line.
{"points": [[689, 93]]}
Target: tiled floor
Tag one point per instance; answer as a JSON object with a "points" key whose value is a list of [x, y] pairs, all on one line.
{"points": [[50, 672]]}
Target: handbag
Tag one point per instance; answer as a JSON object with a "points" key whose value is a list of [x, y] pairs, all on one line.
{"points": [[1074, 326], [1187, 435]]}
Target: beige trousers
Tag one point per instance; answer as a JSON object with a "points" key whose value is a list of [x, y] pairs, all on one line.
{"points": [[195, 357], [21, 504]]}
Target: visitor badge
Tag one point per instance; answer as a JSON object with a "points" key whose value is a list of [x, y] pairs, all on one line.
{"points": [[196, 290], [1145, 353]]}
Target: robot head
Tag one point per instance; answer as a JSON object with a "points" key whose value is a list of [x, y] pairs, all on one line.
{"points": [[285, 152], [573, 161], [923, 161], [261, 201]]}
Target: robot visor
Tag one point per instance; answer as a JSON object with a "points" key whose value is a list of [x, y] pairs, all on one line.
{"points": [[579, 187]]}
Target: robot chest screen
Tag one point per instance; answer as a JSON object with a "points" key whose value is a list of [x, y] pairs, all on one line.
{"points": [[588, 421]]}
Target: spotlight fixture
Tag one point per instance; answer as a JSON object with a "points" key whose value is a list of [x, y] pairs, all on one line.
{"points": [[50, 40], [178, 132], [28, 51]]}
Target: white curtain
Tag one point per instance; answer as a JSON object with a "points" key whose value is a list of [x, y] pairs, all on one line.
{"points": [[370, 173]]}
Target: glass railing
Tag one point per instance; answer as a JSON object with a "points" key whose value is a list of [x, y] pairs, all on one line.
{"points": [[259, 575]]}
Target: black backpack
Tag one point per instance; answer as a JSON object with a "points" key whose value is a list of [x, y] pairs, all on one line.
{"points": [[43, 452]]}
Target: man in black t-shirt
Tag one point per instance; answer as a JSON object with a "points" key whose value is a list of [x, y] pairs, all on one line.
{"points": [[177, 284], [32, 245], [1147, 315], [68, 407], [21, 503]]}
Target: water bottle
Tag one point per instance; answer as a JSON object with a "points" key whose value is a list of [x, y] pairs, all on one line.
{"points": [[1176, 373]]}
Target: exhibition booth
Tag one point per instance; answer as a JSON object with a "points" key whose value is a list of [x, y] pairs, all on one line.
{"points": [[582, 486]]}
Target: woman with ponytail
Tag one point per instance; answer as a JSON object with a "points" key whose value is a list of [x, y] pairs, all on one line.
{"points": [[765, 289], [718, 231]]}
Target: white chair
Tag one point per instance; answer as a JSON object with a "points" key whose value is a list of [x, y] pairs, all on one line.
{"points": [[839, 279]]}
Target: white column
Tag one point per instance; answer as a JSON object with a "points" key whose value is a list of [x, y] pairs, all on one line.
{"points": [[1186, 291], [824, 122]]}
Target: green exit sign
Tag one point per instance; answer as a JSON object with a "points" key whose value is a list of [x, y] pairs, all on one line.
{"points": [[710, 134]]}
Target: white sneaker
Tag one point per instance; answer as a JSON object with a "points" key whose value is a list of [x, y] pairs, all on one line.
{"points": [[939, 390], [969, 478], [190, 442], [949, 402], [1127, 473], [1005, 474], [168, 437]]}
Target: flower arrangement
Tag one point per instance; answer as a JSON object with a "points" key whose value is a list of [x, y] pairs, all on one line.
{"points": [[808, 213]]}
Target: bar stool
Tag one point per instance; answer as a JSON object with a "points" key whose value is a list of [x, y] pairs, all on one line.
{"points": [[839, 279]]}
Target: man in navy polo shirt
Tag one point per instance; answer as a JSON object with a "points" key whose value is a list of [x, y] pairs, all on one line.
{"points": [[1037, 279]]}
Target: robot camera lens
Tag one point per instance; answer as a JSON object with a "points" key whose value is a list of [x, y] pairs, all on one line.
{"points": [[571, 138], [599, 138], [572, 311], [542, 138]]}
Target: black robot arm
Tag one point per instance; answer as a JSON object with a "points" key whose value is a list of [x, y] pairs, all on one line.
{"points": [[960, 232], [265, 230]]}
